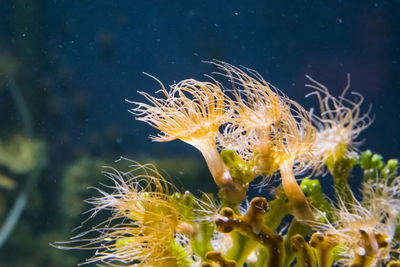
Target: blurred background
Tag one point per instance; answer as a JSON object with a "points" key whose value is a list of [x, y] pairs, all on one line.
{"points": [[66, 68]]}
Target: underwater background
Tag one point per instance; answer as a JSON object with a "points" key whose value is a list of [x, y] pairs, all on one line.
{"points": [[67, 67]]}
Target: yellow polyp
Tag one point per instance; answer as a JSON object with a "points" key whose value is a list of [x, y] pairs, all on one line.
{"points": [[153, 210], [124, 241], [305, 256], [193, 135], [339, 123], [269, 161], [146, 226], [333, 157], [191, 110]]}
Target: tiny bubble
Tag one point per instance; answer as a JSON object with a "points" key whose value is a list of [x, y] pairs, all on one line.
{"points": [[340, 20], [236, 14]]}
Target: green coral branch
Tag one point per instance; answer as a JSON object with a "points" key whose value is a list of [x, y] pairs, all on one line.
{"points": [[296, 228], [242, 247], [340, 170], [312, 187], [240, 170], [374, 167], [278, 209]]}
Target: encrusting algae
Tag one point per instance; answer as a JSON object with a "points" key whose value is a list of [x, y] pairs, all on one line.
{"points": [[246, 130]]}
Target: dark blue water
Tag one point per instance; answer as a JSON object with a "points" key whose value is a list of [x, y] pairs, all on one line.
{"points": [[79, 60]]}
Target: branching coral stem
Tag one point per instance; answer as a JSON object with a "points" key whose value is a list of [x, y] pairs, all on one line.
{"points": [[305, 257], [323, 245], [252, 226]]}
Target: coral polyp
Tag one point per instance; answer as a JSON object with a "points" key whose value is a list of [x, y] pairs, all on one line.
{"points": [[339, 124], [244, 130], [146, 223], [193, 112]]}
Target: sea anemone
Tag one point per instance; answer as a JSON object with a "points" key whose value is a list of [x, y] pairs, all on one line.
{"points": [[339, 125], [146, 227], [276, 130], [193, 112], [259, 110]]}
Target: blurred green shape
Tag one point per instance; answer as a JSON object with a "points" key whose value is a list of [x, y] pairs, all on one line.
{"points": [[240, 170], [312, 187]]}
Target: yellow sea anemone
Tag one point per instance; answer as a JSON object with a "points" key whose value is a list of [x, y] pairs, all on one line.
{"points": [[145, 227], [193, 111], [339, 124], [258, 111], [276, 130]]}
